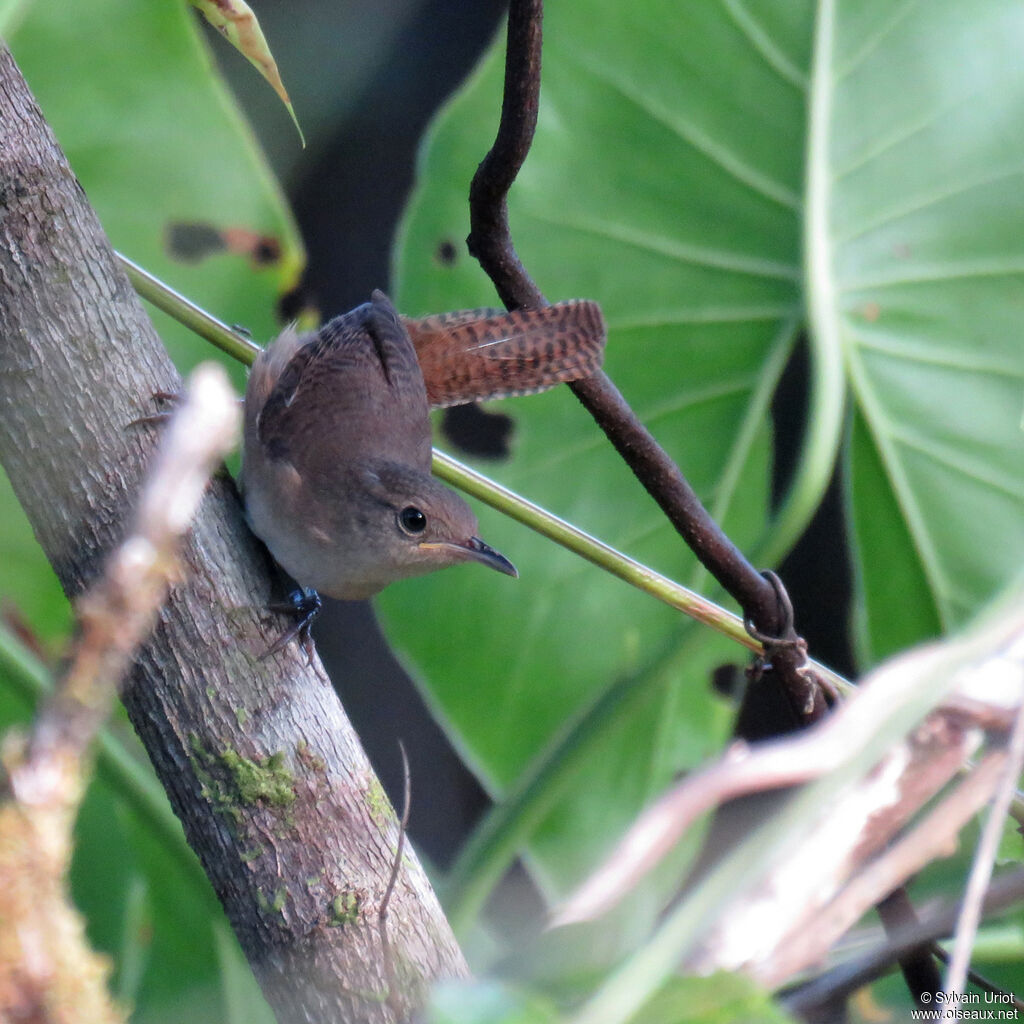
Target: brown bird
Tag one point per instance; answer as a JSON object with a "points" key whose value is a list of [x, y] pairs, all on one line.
{"points": [[336, 462]]}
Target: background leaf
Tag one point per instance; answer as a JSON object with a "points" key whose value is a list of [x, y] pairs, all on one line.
{"points": [[921, 224]]}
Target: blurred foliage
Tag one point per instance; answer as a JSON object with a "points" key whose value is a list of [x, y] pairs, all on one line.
{"points": [[720, 176]]}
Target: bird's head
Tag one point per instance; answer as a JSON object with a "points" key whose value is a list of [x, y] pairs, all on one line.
{"points": [[412, 524]]}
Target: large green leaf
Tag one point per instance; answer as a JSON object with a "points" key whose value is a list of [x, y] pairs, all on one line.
{"points": [[916, 232], [716, 175]]}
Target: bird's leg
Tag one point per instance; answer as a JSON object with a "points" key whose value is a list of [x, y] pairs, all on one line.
{"points": [[305, 604]]}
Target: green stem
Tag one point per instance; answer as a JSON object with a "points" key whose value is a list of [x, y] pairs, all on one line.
{"points": [[583, 544], [188, 314]]}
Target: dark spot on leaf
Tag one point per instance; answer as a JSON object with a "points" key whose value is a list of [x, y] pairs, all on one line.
{"points": [[192, 242], [727, 681], [266, 251], [297, 304], [476, 432], [446, 253], [262, 250]]}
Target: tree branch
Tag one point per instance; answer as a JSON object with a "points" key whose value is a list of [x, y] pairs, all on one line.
{"points": [[260, 763]]}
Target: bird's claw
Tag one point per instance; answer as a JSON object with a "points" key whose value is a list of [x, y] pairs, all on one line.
{"points": [[305, 605]]}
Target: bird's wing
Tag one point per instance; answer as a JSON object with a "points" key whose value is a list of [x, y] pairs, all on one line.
{"points": [[473, 355], [349, 390]]}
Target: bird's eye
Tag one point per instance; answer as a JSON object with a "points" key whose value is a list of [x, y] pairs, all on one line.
{"points": [[412, 519]]}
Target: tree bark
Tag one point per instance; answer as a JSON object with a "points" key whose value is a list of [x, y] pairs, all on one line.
{"points": [[257, 756]]}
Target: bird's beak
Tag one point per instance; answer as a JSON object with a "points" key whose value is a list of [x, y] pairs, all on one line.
{"points": [[478, 551]]}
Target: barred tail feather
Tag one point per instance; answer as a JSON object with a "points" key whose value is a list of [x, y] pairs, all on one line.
{"points": [[474, 355]]}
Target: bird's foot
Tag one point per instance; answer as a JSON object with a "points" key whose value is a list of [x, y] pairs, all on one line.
{"points": [[305, 605]]}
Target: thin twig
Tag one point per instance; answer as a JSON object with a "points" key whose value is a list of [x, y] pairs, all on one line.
{"points": [[116, 613], [490, 238], [403, 825], [490, 241], [382, 914], [45, 777], [115, 764]]}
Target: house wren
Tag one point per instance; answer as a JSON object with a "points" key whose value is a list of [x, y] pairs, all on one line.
{"points": [[336, 464]]}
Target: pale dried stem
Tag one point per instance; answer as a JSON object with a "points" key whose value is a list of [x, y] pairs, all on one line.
{"points": [[809, 893], [47, 970], [116, 614], [813, 934]]}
